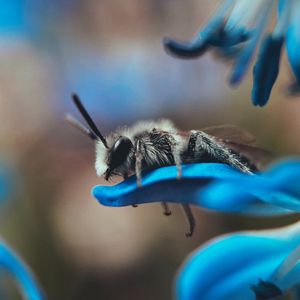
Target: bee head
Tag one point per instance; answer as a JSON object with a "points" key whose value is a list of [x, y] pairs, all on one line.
{"points": [[108, 158], [117, 154]]}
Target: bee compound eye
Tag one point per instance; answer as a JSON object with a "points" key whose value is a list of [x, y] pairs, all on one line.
{"points": [[120, 151]]}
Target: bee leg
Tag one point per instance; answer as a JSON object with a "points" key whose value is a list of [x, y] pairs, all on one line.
{"points": [[138, 175], [138, 164], [125, 176], [189, 218], [179, 170], [166, 209], [177, 159]]}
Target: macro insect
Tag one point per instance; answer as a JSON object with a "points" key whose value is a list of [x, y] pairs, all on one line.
{"points": [[148, 145]]}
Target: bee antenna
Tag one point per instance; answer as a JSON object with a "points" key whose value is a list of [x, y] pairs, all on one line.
{"points": [[76, 124], [88, 119]]}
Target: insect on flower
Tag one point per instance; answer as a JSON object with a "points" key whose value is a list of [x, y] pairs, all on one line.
{"points": [[153, 144]]}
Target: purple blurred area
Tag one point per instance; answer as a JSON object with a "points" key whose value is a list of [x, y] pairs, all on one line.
{"points": [[110, 53]]}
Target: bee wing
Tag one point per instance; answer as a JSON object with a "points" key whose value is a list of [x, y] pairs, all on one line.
{"points": [[255, 155], [231, 133]]}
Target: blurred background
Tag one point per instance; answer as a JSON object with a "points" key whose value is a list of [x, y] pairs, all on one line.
{"points": [[110, 53]]}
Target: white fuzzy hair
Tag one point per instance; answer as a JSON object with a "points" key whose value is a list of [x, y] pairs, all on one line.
{"points": [[100, 163], [146, 126], [130, 132]]}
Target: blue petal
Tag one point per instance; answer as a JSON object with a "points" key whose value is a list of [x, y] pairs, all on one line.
{"points": [[12, 264], [266, 69], [291, 280], [162, 182], [278, 186], [226, 268], [229, 38], [204, 40], [204, 185], [201, 42]]}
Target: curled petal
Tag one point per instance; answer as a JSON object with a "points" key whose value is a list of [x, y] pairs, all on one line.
{"points": [[266, 69], [186, 50], [201, 42], [213, 186], [220, 39], [228, 267], [12, 264]]}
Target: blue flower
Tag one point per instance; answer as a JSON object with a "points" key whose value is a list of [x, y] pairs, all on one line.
{"points": [[213, 186], [13, 265], [242, 264], [231, 32]]}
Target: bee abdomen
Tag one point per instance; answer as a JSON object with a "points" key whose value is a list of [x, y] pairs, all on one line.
{"points": [[205, 148], [244, 160]]}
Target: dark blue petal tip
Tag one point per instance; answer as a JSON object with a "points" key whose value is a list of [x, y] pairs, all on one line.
{"points": [[266, 290], [266, 69], [185, 50]]}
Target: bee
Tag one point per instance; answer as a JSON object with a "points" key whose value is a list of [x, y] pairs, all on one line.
{"points": [[154, 144]]}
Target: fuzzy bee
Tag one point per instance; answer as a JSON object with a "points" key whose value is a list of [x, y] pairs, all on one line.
{"points": [[148, 145]]}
